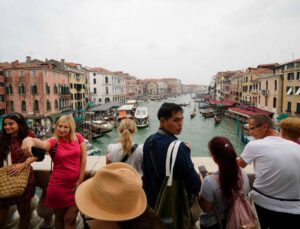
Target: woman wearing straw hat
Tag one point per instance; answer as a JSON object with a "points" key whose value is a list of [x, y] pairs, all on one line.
{"points": [[133, 153], [68, 152], [114, 198]]}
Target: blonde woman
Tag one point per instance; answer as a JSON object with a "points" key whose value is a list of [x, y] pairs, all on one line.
{"points": [[68, 152], [290, 129], [125, 147]]}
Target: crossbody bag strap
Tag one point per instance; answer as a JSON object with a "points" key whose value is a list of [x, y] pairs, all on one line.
{"points": [[133, 148], [151, 156], [53, 155], [275, 198]]}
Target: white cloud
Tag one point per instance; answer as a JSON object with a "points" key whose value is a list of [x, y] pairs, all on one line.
{"points": [[188, 39]]}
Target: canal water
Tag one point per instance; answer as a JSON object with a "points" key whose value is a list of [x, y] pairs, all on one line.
{"points": [[197, 131]]}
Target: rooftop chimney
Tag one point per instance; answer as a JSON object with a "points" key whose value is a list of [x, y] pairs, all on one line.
{"points": [[28, 59]]}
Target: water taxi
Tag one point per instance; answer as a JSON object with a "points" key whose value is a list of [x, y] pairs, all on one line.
{"points": [[141, 117]]}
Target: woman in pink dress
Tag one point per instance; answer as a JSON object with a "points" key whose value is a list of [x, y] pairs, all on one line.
{"points": [[68, 152]]}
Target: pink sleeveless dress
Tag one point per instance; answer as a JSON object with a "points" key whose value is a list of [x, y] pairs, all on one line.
{"points": [[65, 173]]}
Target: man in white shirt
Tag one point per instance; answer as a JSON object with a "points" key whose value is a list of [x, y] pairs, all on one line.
{"points": [[277, 174]]}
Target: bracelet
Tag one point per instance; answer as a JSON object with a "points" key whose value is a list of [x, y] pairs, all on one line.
{"points": [[26, 164]]}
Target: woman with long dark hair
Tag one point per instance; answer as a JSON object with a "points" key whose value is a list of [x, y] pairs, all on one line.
{"points": [[220, 188], [14, 130]]}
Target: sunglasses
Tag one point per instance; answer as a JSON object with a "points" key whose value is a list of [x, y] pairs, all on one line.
{"points": [[11, 115], [254, 127]]}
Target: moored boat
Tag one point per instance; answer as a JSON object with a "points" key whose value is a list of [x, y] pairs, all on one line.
{"points": [[208, 114], [141, 117], [218, 119]]}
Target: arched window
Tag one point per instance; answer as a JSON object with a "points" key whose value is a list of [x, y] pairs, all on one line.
{"points": [[48, 105], [56, 104], [55, 89], [275, 85], [22, 90], [36, 105], [12, 106], [47, 88], [23, 106], [9, 89]]}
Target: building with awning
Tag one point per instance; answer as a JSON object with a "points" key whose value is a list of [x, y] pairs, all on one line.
{"points": [[222, 103], [106, 109], [243, 113]]}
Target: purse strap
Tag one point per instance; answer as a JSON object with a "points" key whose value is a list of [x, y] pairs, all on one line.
{"points": [[8, 161], [133, 148], [53, 155]]}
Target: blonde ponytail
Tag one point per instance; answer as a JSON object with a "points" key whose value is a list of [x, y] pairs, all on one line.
{"points": [[127, 128]]}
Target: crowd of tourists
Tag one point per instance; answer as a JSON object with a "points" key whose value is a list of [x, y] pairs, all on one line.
{"points": [[155, 185]]}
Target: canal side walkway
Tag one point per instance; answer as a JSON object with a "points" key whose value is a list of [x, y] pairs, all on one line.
{"points": [[42, 217]]}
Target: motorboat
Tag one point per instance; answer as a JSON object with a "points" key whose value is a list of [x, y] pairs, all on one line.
{"points": [[90, 149], [193, 114], [104, 126], [218, 119], [141, 117], [208, 114]]}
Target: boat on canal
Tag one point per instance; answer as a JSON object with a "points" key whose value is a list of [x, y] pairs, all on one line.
{"points": [[91, 149], [141, 116], [218, 119]]}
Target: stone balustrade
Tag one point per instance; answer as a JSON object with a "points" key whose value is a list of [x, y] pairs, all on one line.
{"points": [[42, 217]]}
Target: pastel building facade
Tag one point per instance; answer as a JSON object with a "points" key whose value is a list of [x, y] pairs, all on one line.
{"points": [[36, 90]]}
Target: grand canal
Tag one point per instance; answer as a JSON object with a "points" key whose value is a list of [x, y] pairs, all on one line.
{"points": [[197, 131]]}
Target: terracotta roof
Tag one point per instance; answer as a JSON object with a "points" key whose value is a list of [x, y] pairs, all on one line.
{"points": [[70, 64], [101, 70]]}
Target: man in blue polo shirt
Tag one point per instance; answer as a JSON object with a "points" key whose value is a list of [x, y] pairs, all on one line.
{"points": [[170, 116]]}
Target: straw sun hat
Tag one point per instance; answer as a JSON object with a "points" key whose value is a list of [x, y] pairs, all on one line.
{"points": [[114, 193]]}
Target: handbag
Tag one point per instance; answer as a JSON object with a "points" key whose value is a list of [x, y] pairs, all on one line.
{"points": [[172, 204], [13, 185]]}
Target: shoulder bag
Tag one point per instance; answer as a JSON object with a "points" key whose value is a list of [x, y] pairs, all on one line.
{"points": [[13, 185], [172, 204]]}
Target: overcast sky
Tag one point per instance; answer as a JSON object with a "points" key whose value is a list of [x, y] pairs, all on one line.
{"points": [[188, 39]]}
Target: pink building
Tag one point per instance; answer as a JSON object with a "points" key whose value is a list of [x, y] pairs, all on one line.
{"points": [[2, 93], [37, 90]]}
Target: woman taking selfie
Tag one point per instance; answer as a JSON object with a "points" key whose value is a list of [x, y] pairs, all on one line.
{"points": [[68, 152], [14, 130]]}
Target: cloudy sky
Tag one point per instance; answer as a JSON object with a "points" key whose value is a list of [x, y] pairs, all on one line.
{"points": [[188, 39]]}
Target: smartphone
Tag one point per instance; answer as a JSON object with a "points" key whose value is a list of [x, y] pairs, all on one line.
{"points": [[39, 153], [202, 170]]}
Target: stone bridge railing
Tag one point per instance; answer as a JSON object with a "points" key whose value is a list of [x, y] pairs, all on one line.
{"points": [[42, 217]]}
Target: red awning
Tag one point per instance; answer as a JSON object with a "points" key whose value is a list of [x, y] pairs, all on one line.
{"points": [[249, 111]]}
